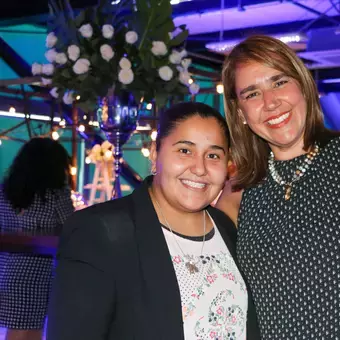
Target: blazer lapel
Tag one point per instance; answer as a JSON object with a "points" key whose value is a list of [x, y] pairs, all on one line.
{"points": [[162, 295], [227, 230]]}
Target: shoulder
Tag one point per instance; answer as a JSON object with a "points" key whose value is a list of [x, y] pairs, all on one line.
{"points": [[103, 218], [89, 234], [229, 202], [224, 221]]}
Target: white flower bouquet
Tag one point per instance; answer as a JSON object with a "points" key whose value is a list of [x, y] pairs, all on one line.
{"points": [[131, 46]]}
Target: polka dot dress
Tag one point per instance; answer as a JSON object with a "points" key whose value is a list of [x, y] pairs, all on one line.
{"points": [[290, 250], [25, 279]]}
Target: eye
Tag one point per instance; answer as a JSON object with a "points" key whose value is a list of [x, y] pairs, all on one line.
{"points": [[252, 95], [280, 83], [185, 151], [214, 156]]}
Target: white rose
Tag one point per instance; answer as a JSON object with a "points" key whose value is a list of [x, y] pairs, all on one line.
{"points": [[107, 31], [36, 69], [46, 81], [125, 63], [73, 52], [68, 98], [50, 55], [131, 37], [81, 66], [194, 88], [159, 48], [166, 73], [86, 31], [183, 53], [186, 63], [184, 77], [125, 76], [48, 69], [54, 92], [106, 52], [175, 57], [51, 40], [61, 58]]}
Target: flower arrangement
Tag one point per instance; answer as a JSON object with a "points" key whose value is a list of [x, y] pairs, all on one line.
{"points": [[131, 46], [101, 153]]}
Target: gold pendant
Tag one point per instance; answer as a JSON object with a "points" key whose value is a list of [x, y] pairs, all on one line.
{"points": [[288, 192], [191, 267]]}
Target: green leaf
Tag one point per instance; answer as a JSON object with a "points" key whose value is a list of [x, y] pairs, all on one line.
{"points": [[179, 38], [80, 19]]}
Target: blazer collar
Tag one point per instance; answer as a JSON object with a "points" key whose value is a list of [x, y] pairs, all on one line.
{"points": [[157, 268]]}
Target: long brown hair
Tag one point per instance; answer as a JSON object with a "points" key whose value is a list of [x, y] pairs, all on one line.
{"points": [[249, 151]]}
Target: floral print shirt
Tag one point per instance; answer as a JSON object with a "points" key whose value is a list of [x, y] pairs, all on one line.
{"points": [[214, 299]]}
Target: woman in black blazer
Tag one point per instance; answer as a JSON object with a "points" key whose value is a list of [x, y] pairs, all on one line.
{"points": [[160, 263]]}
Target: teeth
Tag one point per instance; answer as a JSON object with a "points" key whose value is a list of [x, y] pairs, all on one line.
{"points": [[194, 184], [279, 120]]}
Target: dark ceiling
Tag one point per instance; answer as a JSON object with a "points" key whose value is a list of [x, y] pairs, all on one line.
{"points": [[308, 16]]}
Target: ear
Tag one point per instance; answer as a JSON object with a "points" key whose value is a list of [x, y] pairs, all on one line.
{"points": [[153, 157]]}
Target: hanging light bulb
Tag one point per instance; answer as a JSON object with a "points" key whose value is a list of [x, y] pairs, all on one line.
{"points": [[149, 106], [81, 128], [87, 160], [11, 109]]}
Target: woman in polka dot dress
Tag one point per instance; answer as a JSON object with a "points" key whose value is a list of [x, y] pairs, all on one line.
{"points": [[35, 198], [289, 164]]}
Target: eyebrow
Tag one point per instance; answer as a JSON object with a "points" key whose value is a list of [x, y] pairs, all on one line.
{"points": [[254, 87], [214, 147]]}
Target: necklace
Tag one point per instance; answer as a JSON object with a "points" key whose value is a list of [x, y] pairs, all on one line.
{"points": [[190, 264], [299, 172]]}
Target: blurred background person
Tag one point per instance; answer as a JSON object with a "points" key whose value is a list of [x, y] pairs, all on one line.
{"points": [[35, 199]]}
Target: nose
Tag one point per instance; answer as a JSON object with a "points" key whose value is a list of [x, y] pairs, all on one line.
{"points": [[270, 100], [199, 167]]}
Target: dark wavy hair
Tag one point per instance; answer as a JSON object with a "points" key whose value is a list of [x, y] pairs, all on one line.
{"points": [[42, 164]]}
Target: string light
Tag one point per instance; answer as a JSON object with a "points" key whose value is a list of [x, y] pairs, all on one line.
{"points": [[219, 88], [0, 142], [55, 135], [153, 135], [11, 109], [190, 81], [73, 170], [145, 152], [87, 160], [149, 106], [62, 123], [78, 97], [81, 128]]}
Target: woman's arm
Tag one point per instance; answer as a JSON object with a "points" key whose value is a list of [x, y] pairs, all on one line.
{"points": [[229, 202], [83, 294]]}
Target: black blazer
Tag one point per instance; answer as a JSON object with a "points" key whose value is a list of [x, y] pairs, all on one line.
{"points": [[115, 279]]}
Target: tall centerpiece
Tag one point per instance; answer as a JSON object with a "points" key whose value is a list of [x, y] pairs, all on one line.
{"points": [[110, 58]]}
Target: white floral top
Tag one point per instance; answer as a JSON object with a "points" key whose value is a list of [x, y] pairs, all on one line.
{"points": [[214, 300]]}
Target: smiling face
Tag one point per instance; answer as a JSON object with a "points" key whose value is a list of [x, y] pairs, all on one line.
{"points": [[191, 164], [273, 106]]}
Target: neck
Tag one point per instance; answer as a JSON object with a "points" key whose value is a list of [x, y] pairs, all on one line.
{"points": [[290, 152], [183, 222]]}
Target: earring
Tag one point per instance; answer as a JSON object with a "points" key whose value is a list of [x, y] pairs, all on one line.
{"points": [[244, 122], [153, 172]]}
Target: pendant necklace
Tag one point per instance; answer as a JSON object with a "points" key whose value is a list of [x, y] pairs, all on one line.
{"points": [[191, 265], [299, 172]]}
